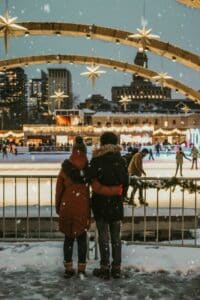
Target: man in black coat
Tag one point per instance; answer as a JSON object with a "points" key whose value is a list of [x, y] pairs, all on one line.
{"points": [[109, 168]]}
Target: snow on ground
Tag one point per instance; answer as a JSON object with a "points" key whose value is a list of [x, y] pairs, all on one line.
{"points": [[35, 271]]}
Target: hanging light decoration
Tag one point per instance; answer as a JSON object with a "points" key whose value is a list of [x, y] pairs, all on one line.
{"points": [[124, 101], [93, 73], [144, 36], [161, 78], [59, 97], [192, 3], [8, 27]]}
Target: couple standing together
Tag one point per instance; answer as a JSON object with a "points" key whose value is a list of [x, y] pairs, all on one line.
{"points": [[107, 176]]}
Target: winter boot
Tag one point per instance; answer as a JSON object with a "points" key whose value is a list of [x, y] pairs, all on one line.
{"points": [[69, 271], [142, 202], [81, 269], [103, 272], [129, 201], [116, 272]]}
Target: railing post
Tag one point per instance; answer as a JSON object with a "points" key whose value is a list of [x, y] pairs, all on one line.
{"points": [[157, 215], [27, 208], [4, 218], [170, 215], [39, 208], [132, 224], [51, 218], [15, 195], [195, 216], [182, 217], [145, 218]]}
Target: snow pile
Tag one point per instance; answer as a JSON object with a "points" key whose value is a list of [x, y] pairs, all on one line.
{"points": [[48, 255], [35, 271]]}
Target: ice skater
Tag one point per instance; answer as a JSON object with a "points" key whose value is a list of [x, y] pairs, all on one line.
{"points": [[157, 148], [179, 161], [151, 154], [136, 168], [5, 151], [194, 154]]}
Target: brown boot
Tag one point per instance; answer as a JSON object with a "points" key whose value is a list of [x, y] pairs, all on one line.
{"points": [[69, 271], [81, 268]]}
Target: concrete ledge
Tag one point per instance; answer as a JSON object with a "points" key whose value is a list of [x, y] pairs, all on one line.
{"points": [[48, 227]]}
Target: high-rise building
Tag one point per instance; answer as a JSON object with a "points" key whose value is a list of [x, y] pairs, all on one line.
{"points": [[59, 80], [140, 88], [34, 100], [13, 97], [38, 98], [44, 88]]}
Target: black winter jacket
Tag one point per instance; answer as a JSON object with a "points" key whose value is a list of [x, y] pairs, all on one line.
{"points": [[109, 168]]}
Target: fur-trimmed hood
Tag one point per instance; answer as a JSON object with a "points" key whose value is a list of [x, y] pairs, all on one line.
{"points": [[109, 148]]}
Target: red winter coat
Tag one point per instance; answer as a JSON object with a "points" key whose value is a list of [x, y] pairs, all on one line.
{"points": [[72, 199]]}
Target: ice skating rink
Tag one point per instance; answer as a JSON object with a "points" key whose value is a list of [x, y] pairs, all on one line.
{"points": [[49, 164]]}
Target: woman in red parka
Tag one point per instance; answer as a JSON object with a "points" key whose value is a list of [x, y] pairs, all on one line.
{"points": [[72, 206]]}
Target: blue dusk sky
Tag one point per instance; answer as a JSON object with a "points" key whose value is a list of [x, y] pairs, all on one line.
{"points": [[172, 21]]}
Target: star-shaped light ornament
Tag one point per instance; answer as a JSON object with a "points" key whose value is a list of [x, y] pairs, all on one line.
{"points": [[8, 27], [161, 78], [185, 109], [144, 36], [93, 73], [124, 101], [59, 97]]}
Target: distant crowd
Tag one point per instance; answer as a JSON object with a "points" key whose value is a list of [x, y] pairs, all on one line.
{"points": [[8, 147], [46, 147]]}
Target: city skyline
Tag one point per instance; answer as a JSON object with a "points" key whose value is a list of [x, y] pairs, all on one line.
{"points": [[173, 22]]}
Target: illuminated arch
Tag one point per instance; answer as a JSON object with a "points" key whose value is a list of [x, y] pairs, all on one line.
{"points": [[192, 3], [113, 35], [117, 65]]}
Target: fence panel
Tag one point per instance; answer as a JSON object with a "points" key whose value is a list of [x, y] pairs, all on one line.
{"points": [[170, 214]]}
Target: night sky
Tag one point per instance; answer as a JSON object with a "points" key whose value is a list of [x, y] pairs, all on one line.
{"points": [[175, 23]]}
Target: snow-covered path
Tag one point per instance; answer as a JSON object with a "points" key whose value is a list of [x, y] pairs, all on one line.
{"points": [[35, 271]]}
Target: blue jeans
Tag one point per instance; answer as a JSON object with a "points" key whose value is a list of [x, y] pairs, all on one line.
{"points": [[82, 248], [103, 231]]}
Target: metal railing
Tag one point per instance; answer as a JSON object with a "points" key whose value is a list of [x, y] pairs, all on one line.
{"points": [[172, 216]]}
